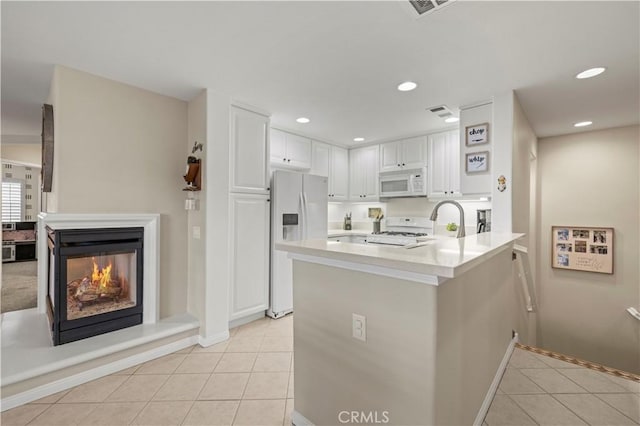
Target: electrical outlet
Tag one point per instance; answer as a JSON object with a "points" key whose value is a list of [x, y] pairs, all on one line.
{"points": [[359, 327], [196, 232]]}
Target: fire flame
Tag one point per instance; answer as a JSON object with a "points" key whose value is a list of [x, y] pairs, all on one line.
{"points": [[101, 276]]}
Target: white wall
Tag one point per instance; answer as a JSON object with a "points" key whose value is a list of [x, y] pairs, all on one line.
{"points": [[522, 189], [502, 157], [29, 154], [197, 132], [476, 183], [121, 149], [217, 217], [591, 179]]}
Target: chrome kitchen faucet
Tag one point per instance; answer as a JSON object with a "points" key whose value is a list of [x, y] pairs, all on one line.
{"points": [[434, 215]]}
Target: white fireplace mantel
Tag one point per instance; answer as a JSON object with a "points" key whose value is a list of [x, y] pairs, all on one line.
{"points": [[151, 251]]}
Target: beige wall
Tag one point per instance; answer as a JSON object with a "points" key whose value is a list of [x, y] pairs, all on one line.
{"points": [[197, 132], [424, 343], [591, 179], [121, 149], [23, 153], [523, 170]]}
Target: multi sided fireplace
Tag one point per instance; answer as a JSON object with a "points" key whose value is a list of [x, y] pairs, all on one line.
{"points": [[95, 281]]}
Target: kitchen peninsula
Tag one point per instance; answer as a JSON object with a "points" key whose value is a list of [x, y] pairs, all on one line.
{"points": [[436, 332]]}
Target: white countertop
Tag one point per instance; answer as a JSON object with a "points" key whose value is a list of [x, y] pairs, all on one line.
{"points": [[446, 257], [342, 232]]}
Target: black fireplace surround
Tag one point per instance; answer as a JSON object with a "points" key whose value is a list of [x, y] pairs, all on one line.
{"points": [[95, 281]]}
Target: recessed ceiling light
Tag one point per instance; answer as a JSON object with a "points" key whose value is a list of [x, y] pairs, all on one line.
{"points": [[592, 72], [407, 86], [583, 123], [302, 120], [452, 120], [358, 139]]}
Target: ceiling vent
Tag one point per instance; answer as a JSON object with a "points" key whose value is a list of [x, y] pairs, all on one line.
{"points": [[427, 6], [441, 111]]}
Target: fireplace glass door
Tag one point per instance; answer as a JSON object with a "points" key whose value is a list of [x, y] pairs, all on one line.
{"points": [[100, 284]]}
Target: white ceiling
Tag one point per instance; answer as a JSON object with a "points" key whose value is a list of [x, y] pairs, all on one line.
{"points": [[337, 63]]}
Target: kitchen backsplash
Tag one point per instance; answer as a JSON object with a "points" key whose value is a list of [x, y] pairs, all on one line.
{"points": [[421, 207]]}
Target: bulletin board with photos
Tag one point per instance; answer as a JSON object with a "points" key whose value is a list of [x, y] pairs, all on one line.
{"points": [[582, 248]]}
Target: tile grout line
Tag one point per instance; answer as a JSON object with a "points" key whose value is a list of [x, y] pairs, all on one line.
{"points": [[587, 392], [521, 407], [570, 410], [629, 393], [235, 415], [152, 396]]}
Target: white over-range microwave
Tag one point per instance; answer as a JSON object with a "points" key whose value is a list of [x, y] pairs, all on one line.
{"points": [[403, 183]]}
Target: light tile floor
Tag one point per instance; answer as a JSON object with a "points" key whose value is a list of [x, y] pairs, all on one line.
{"points": [[540, 390], [248, 380]]}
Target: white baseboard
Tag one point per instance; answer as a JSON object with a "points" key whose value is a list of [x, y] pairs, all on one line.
{"points": [[244, 320], [491, 393], [95, 373], [298, 419], [212, 340]]}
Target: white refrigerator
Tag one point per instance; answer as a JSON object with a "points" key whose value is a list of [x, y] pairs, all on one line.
{"points": [[298, 212]]}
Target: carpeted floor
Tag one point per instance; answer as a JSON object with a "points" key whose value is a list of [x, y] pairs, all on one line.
{"points": [[19, 286]]}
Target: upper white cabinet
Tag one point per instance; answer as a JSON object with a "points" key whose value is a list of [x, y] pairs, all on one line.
{"points": [[290, 151], [321, 159], [403, 154], [363, 173], [443, 172], [249, 151], [339, 177], [333, 162], [249, 246]]}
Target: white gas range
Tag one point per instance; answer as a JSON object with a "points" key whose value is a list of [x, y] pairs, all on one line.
{"points": [[403, 231]]}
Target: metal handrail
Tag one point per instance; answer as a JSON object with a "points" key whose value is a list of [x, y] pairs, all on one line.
{"points": [[524, 273]]}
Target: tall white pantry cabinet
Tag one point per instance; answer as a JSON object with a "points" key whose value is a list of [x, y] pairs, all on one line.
{"points": [[249, 213]]}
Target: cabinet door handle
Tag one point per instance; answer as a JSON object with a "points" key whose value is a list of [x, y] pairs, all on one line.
{"points": [[402, 164], [289, 160], [398, 164], [284, 159]]}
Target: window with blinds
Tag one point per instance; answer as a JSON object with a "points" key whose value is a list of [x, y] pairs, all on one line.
{"points": [[11, 201]]}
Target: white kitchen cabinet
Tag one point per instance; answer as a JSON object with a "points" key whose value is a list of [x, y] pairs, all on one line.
{"points": [[289, 151], [320, 159], [339, 177], [363, 173], [249, 151], [333, 162], [404, 154], [443, 172], [249, 254]]}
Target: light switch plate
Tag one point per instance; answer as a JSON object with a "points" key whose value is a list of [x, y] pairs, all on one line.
{"points": [[196, 232], [359, 327]]}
